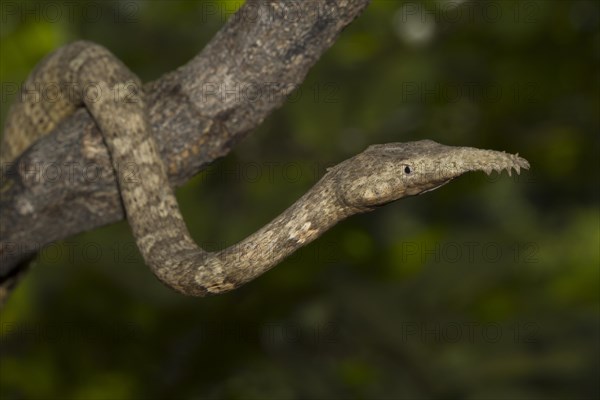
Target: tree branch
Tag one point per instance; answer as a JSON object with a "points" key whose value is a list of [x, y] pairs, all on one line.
{"points": [[64, 184]]}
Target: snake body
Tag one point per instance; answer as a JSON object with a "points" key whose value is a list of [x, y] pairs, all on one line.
{"points": [[88, 75]]}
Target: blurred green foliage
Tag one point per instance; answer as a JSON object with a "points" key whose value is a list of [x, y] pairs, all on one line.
{"points": [[487, 288]]}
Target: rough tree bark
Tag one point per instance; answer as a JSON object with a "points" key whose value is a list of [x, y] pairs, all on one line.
{"points": [[198, 113]]}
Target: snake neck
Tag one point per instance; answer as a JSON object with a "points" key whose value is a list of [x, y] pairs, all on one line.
{"points": [[307, 219], [197, 272]]}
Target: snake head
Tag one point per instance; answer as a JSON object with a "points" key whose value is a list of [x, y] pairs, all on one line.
{"points": [[387, 172]]}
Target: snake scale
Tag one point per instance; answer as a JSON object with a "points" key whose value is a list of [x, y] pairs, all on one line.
{"points": [[90, 76]]}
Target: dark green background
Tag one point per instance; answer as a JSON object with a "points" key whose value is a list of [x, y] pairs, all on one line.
{"points": [[486, 288]]}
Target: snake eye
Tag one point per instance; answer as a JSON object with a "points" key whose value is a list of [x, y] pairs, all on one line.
{"points": [[407, 169]]}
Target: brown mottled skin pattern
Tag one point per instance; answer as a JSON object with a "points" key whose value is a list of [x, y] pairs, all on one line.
{"points": [[90, 76]]}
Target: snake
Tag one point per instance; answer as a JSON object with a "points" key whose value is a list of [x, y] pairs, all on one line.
{"points": [[87, 75]]}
